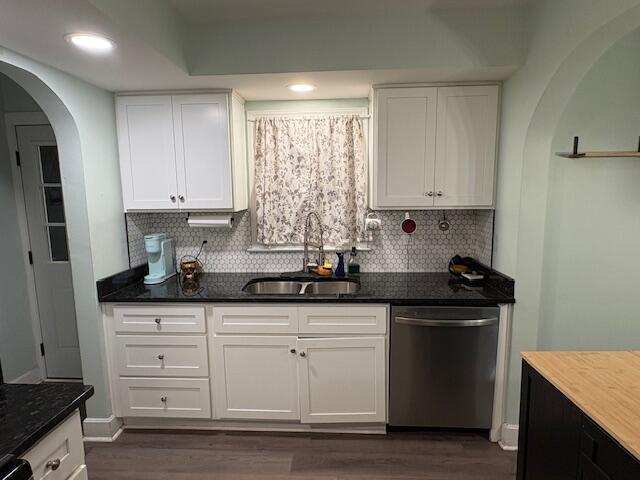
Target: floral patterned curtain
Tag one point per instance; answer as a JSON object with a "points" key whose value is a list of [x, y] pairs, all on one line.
{"points": [[310, 164]]}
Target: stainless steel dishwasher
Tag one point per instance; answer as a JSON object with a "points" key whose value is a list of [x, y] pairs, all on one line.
{"points": [[442, 366]]}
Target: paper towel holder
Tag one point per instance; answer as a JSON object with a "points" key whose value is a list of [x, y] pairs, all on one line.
{"points": [[210, 221]]}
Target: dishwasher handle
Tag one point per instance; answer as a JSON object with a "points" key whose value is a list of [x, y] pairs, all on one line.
{"points": [[432, 322]]}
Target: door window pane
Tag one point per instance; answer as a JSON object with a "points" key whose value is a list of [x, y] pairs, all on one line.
{"points": [[58, 243], [50, 165], [53, 202]]}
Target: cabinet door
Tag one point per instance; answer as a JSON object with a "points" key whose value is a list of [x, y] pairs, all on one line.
{"points": [[256, 378], [466, 146], [201, 124], [147, 154], [405, 147], [342, 380]]}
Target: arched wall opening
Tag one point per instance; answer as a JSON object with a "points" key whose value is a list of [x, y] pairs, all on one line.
{"points": [[83, 119], [544, 291]]}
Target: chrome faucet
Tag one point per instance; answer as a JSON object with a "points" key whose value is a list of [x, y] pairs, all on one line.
{"points": [[320, 247]]}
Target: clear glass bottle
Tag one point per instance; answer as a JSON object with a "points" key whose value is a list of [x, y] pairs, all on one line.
{"points": [[353, 266]]}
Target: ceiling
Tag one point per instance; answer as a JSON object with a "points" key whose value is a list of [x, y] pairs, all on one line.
{"points": [[152, 53], [208, 11]]}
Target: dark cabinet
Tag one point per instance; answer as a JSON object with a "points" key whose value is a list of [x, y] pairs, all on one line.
{"points": [[557, 441]]}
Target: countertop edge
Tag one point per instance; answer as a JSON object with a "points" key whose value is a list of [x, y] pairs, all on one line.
{"points": [[527, 357], [56, 420]]}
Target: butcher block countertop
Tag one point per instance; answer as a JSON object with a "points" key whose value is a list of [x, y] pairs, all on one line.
{"points": [[604, 385]]}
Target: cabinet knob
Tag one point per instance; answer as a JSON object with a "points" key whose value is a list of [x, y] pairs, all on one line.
{"points": [[161, 356], [293, 350], [303, 354], [181, 197], [158, 320], [163, 399], [172, 197], [428, 194], [439, 193], [53, 464]]}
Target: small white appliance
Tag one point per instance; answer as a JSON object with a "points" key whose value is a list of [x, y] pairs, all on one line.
{"points": [[161, 258]]}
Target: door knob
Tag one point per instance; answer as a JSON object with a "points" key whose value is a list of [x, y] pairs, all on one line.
{"points": [[163, 399], [161, 356], [303, 354], [172, 198], [440, 193], [158, 320], [181, 197], [53, 464], [293, 350], [429, 194]]}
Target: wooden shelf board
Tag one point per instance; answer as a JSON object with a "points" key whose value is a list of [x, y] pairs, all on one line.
{"points": [[599, 154]]}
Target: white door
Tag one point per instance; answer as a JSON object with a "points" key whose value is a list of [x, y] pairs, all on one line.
{"points": [[405, 150], [256, 378], [147, 153], [466, 146], [48, 238], [342, 380], [203, 156]]}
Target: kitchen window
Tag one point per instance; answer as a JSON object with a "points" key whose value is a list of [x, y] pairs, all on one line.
{"points": [[304, 163]]}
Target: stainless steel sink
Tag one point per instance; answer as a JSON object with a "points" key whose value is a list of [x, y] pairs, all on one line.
{"points": [[336, 287], [291, 287], [274, 287]]}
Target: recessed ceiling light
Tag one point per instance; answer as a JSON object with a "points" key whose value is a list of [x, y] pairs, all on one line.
{"points": [[90, 42], [302, 87]]}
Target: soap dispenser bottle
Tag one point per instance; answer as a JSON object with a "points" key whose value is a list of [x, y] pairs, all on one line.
{"points": [[354, 266], [340, 273]]}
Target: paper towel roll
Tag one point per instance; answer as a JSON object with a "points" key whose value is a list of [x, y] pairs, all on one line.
{"points": [[211, 221]]}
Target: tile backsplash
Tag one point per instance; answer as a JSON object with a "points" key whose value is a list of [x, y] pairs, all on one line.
{"points": [[428, 250]]}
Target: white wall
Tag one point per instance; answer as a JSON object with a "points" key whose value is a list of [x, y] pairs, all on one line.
{"points": [[83, 119], [17, 348]]}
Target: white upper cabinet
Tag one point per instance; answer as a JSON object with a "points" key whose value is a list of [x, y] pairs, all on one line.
{"points": [[434, 147], [147, 152], [466, 146], [405, 146], [182, 152]]}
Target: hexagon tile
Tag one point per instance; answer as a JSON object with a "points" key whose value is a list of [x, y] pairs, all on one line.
{"points": [[428, 250]]}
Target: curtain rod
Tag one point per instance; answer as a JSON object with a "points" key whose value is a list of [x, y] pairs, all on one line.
{"points": [[364, 117]]}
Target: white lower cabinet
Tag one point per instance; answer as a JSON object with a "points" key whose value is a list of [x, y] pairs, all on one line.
{"points": [[342, 380], [256, 378], [60, 454]]}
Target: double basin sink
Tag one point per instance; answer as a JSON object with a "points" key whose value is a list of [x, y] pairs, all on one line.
{"points": [[314, 286]]}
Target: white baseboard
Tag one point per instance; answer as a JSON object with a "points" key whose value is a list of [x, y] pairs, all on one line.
{"points": [[102, 429], [509, 440], [33, 376]]}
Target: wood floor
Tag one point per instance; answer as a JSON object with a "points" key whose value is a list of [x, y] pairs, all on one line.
{"points": [[152, 455]]}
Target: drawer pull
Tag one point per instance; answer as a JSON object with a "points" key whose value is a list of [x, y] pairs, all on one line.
{"points": [[163, 399], [53, 464], [303, 354], [161, 356], [158, 320]]}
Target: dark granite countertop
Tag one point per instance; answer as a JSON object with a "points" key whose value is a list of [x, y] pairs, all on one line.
{"points": [[393, 288], [29, 412]]}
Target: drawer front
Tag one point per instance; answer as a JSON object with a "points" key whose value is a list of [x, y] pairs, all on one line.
{"points": [[259, 319], [162, 397], [159, 319], [62, 447], [80, 474], [162, 355], [348, 319], [606, 453]]}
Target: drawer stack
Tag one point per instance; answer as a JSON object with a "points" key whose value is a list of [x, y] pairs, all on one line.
{"points": [[161, 358]]}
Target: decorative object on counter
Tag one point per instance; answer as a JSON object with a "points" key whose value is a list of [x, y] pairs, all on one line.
{"points": [[160, 256], [340, 272], [444, 225], [353, 266], [467, 269], [372, 224], [617, 154], [409, 225], [325, 270], [210, 221], [190, 266]]}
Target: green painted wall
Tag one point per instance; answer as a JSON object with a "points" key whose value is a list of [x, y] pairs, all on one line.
{"points": [[17, 348]]}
